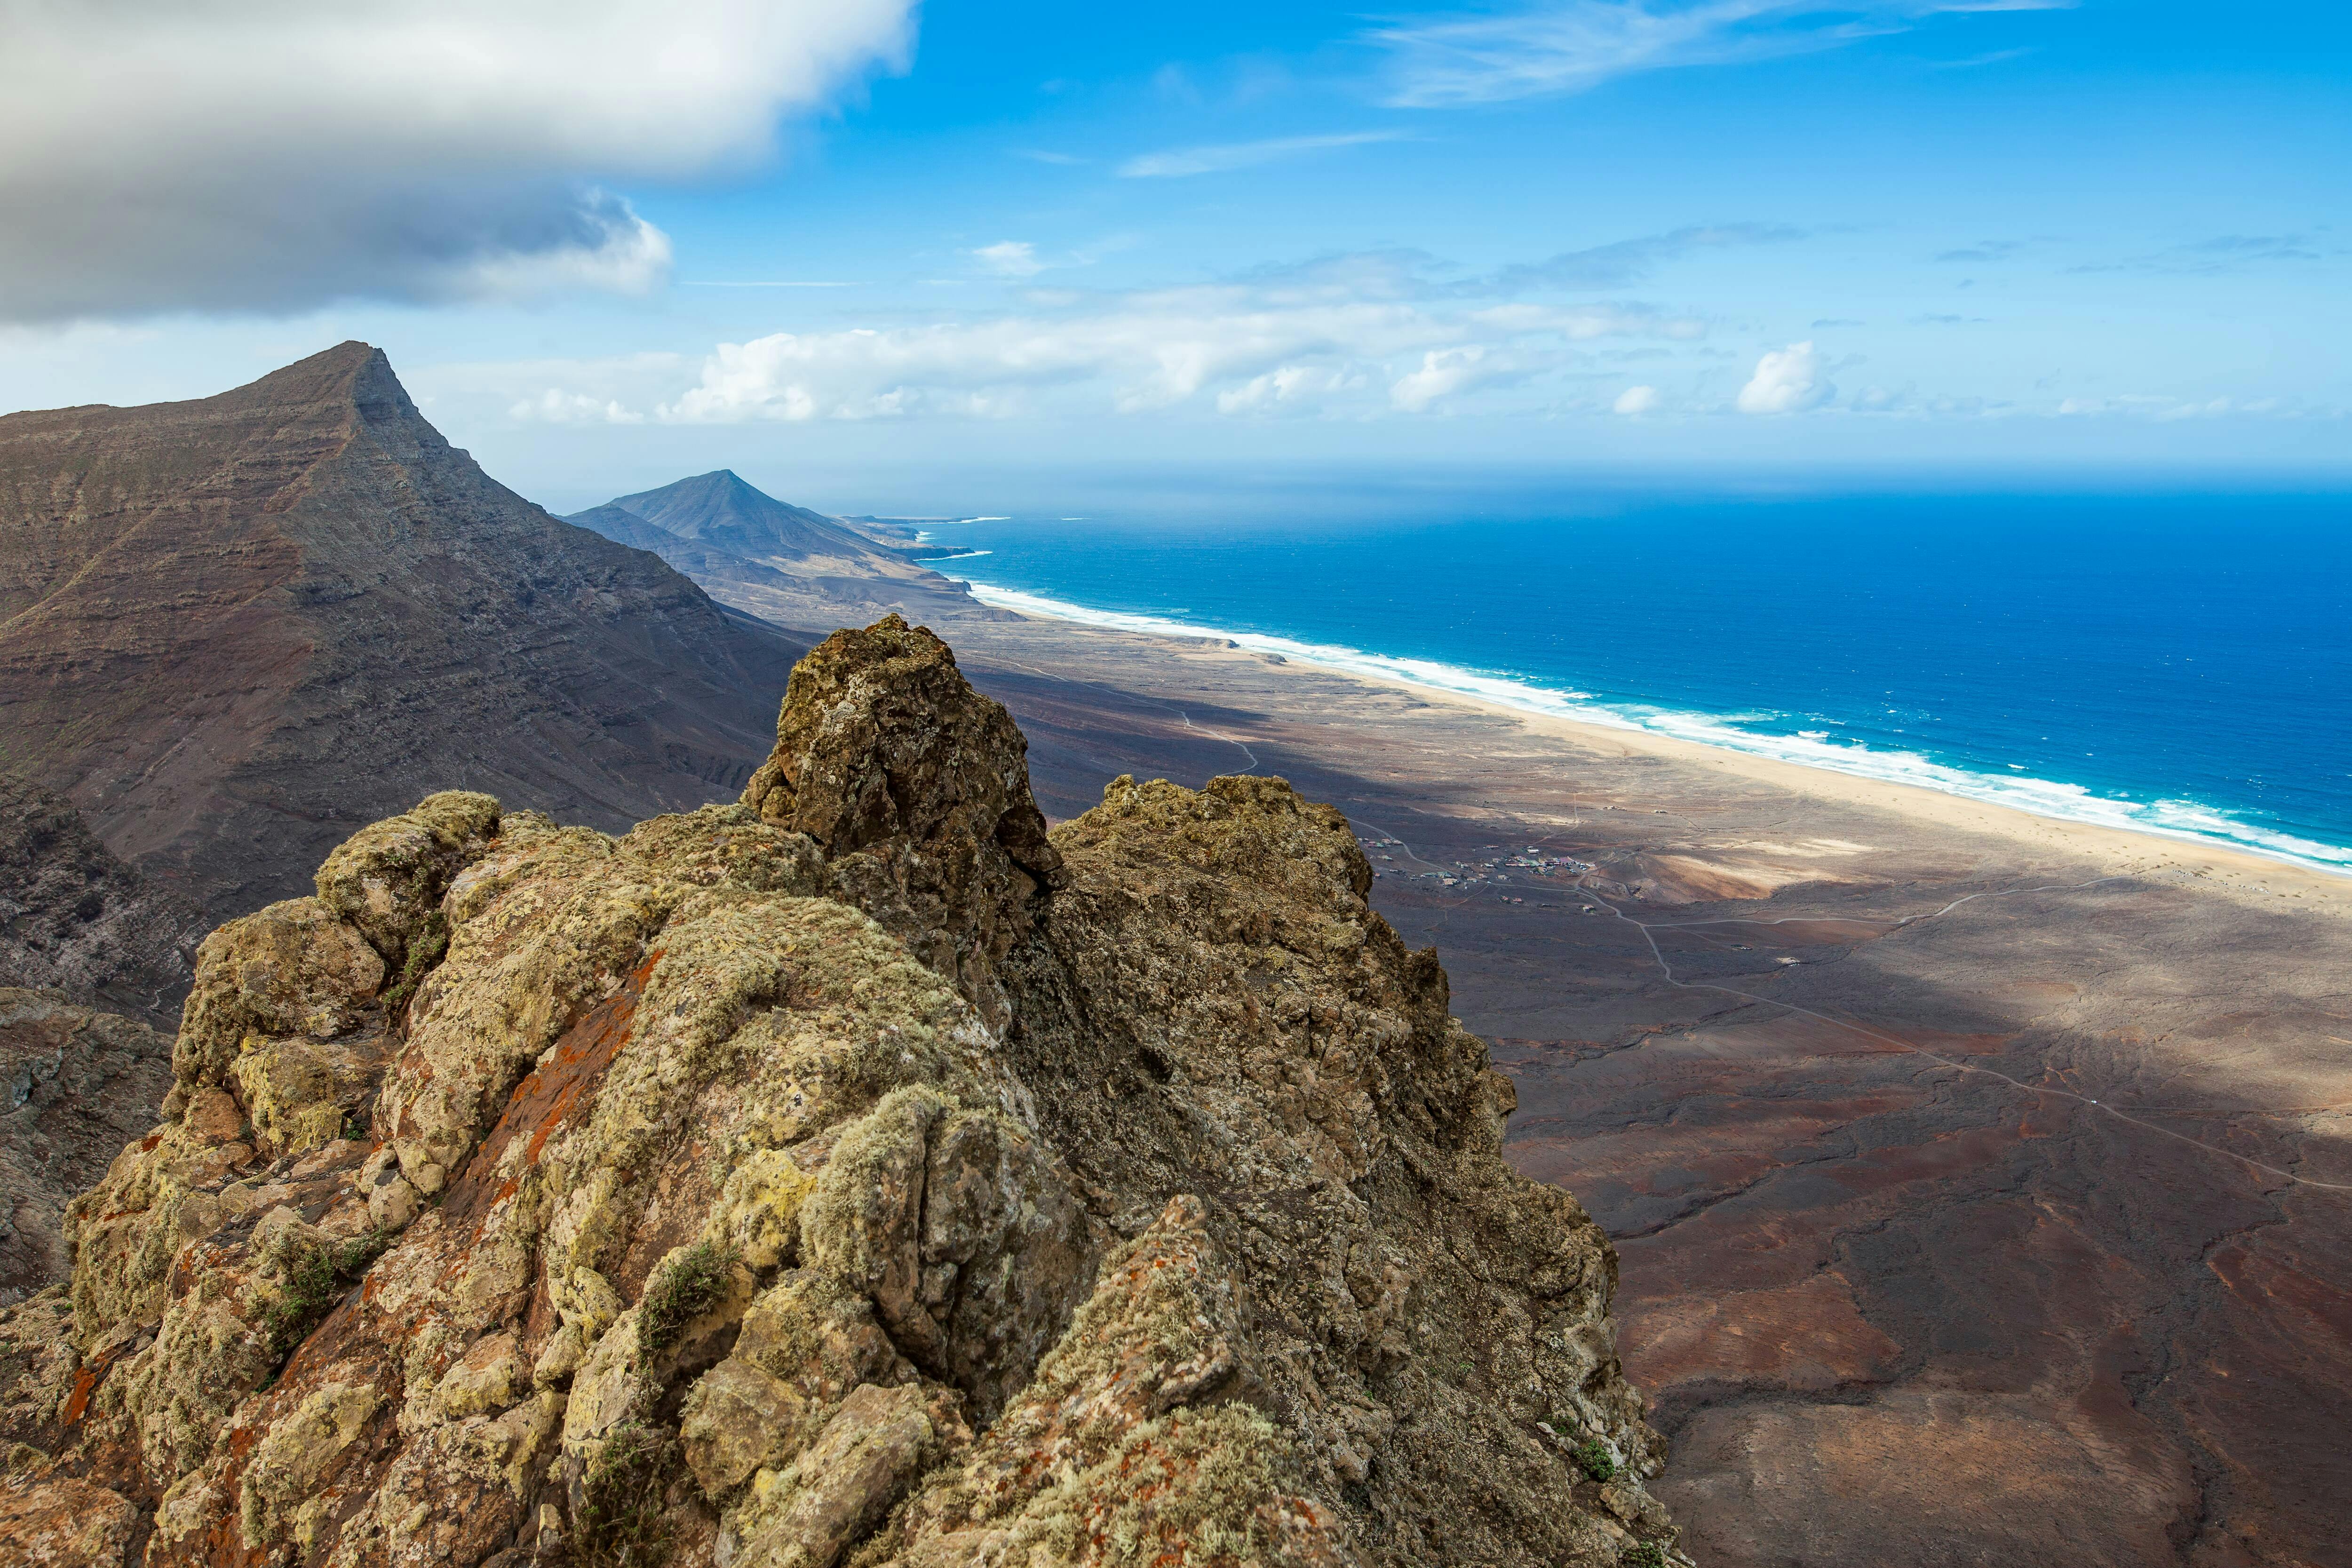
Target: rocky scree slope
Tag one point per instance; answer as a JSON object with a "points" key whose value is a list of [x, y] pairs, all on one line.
{"points": [[80, 931], [854, 1174], [76, 919], [234, 630], [76, 1085]]}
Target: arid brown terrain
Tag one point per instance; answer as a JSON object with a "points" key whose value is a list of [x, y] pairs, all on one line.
{"points": [[233, 630], [76, 1085], [1984, 1190]]}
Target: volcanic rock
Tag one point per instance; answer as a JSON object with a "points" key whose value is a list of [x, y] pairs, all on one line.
{"points": [[855, 1173], [232, 630]]}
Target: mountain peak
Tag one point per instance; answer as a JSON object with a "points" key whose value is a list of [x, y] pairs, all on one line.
{"points": [[723, 511], [351, 374], [216, 615]]}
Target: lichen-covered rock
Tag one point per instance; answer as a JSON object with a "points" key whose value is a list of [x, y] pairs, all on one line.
{"points": [[808, 1514], [916, 789], [387, 879], [293, 969], [849, 1175], [64, 1523]]}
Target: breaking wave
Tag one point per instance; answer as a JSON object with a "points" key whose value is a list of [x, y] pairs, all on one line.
{"points": [[2181, 819]]}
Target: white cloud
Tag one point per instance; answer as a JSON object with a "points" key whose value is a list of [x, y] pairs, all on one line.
{"points": [[1293, 385], [1787, 381], [276, 155], [1443, 374], [1570, 46], [555, 406], [1184, 161], [1639, 400], [1009, 258], [1276, 345]]}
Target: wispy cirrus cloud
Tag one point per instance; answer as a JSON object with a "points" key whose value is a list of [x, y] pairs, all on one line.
{"points": [[1573, 46], [1009, 259], [1984, 251], [1182, 162], [2228, 253], [1623, 262]]}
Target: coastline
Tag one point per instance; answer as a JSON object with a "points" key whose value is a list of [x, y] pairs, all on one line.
{"points": [[1861, 1077], [2247, 870]]}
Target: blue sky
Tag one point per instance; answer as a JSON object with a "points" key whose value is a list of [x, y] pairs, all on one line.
{"points": [[892, 255]]}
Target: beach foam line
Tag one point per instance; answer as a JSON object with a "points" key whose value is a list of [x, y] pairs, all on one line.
{"points": [[2186, 820]]}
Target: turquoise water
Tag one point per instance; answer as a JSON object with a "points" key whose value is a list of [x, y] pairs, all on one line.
{"points": [[2178, 663]]}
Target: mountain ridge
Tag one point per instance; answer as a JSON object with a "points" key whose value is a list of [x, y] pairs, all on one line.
{"points": [[232, 626], [784, 563], [722, 509]]}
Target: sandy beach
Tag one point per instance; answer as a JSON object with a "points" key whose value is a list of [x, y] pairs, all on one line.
{"points": [[1982, 1181]]}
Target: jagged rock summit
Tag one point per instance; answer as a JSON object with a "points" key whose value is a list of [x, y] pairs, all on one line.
{"points": [[854, 1174], [234, 630]]}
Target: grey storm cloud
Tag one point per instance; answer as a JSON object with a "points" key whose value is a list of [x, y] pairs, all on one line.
{"points": [[273, 156]]}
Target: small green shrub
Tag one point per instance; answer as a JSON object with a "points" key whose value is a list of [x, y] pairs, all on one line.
{"points": [[621, 1521], [1643, 1554], [316, 1277], [1593, 1458], [425, 950], [688, 1287]]}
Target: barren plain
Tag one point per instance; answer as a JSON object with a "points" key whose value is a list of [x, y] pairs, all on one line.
{"points": [[1983, 1183]]}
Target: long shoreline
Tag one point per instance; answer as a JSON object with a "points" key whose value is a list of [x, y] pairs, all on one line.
{"points": [[2247, 869]]}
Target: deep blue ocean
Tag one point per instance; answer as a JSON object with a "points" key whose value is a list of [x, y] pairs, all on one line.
{"points": [[2177, 661]]}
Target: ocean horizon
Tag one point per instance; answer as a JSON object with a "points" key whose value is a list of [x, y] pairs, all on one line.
{"points": [[2176, 664]]}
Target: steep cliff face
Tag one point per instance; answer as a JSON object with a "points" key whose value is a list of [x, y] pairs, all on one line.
{"points": [[232, 630], [855, 1173]]}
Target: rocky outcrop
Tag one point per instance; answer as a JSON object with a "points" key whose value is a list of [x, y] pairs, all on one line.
{"points": [[234, 630], [853, 1175]]}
